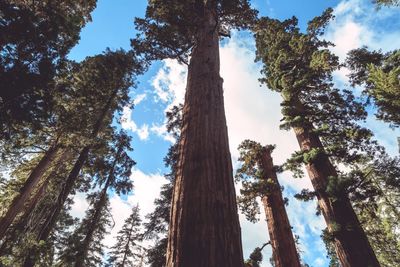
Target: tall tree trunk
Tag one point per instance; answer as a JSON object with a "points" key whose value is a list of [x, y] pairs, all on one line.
{"points": [[351, 243], [127, 246], [31, 219], [280, 232], [73, 175], [66, 188], [204, 226], [82, 254], [33, 180]]}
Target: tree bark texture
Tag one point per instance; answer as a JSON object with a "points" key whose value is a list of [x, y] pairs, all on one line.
{"points": [[280, 232], [351, 243], [204, 226], [33, 180]]}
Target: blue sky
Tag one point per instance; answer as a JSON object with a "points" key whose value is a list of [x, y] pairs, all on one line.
{"points": [[252, 111]]}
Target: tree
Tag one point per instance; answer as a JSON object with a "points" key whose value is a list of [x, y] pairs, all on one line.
{"points": [[379, 74], [97, 80], [259, 179], [35, 38], [376, 202], [256, 257], [387, 2], [79, 247], [127, 251], [324, 119], [109, 85], [204, 227], [113, 170]]}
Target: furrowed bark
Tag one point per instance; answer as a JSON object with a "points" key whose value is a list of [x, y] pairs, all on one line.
{"points": [[351, 243], [280, 232], [204, 228], [33, 180]]}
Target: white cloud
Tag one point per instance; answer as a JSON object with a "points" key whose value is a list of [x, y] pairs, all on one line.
{"points": [[128, 123], [139, 98], [146, 189], [80, 205], [358, 23], [170, 82], [143, 132]]}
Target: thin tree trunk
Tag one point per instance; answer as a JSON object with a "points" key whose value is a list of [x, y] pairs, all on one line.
{"points": [[280, 232], [28, 187], [73, 175], [204, 226], [32, 223], [81, 256], [127, 246], [351, 243], [63, 195]]}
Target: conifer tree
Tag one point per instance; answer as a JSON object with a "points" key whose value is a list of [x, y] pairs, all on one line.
{"points": [[379, 74], [35, 38], [78, 251], [259, 180], [98, 84], [387, 2], [256, 257], [204, 227], [324, 119], [113, 170], [127, 251], [113, 77]]}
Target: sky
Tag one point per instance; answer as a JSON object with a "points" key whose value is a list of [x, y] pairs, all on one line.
{"points": [[252, 111]]}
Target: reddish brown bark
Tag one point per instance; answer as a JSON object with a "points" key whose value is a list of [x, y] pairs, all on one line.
{"points": [[204, 226], [351, 243], [280, 232], [27, 189]]}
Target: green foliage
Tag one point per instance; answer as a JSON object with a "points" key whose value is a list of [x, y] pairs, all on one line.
{"points": [[251, 174], [75, 242], [329, 245], [127, 251], [35, 39], [170, 28], [379, 74], [375, 198], [387, 2], [255, 257], [299, 66]]}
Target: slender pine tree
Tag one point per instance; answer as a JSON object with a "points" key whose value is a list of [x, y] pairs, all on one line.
{"points": [[128, 250]]}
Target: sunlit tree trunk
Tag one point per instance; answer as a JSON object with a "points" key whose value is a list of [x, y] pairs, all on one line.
{"points": [[351, 243], [33, 180], [280, 232], [204, 228]]}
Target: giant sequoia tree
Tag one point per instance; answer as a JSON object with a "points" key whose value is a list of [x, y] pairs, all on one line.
{"points": [[204, 227], [259, 179], [299, 66]]}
